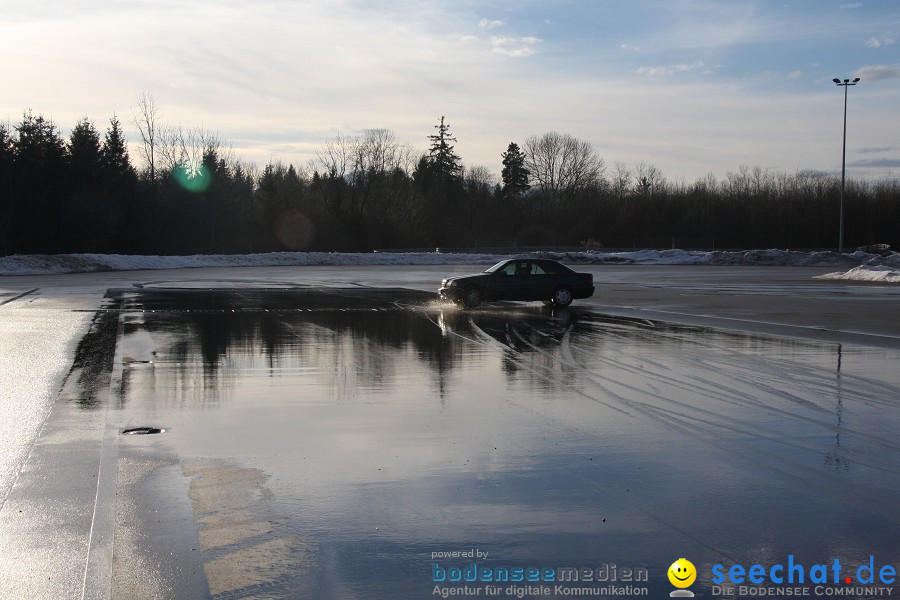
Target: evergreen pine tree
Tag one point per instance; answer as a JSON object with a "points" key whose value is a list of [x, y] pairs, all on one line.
{"points": [[442, 159], [84, 155], [39, 190], [114, 159], [6, 183], [5, 141], [514, 173], [118, 182], [85, 211]]}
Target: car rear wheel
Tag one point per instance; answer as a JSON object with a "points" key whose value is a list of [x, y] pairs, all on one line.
{"points": [[472, 297], [562, 296]]}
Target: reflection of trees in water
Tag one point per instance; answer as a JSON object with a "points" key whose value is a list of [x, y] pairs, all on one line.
{"points": [[354, 344], [363, 339], [369, 349], [532, 340], [354, 340]]}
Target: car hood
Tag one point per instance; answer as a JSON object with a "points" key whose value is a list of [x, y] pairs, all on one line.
{"points": [[461, 277]]}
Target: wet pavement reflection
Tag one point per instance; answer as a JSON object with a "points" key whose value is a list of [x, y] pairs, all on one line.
{"points": [[328, 443]]}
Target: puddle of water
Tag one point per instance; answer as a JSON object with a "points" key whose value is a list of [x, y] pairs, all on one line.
{"points": [[388, 427]]}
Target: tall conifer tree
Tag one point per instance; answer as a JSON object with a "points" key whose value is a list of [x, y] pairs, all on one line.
{"points": [[443, 160], [514, 173]]}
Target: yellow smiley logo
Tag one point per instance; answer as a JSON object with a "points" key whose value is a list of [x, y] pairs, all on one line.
{"points": [[682, 573]]}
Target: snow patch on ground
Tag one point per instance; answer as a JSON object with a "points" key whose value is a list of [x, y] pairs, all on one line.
{"points": [[866, 273], [86, 263], [861, 264], [885, 269]]}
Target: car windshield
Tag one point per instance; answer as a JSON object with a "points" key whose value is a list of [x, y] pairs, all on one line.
{"points": [[497, 267]]}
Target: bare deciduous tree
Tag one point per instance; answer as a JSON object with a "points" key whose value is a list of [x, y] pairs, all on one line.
{"points": [[335, 157], [560, 163], [185, 148], [479, 177], [169, 147], [376, 151], [357, 168], [621, 180], [648, 179], [145, 117]]}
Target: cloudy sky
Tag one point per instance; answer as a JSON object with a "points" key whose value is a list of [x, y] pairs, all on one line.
{"points": [[691, 86]]}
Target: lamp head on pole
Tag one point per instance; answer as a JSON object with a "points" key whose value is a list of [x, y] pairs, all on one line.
{"points": [[855, 79], [836, 80]]}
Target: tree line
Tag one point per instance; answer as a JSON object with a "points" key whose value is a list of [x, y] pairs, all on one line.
{"points": [[191, 195]]}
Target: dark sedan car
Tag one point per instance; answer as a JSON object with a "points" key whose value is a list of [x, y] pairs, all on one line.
{"points": [[520, 279]]}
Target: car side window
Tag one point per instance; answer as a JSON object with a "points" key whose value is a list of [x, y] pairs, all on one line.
{"points": [[523, 268], [536, 269], [509, 269]]}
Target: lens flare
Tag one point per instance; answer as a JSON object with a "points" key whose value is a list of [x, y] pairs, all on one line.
{"points": [[194, 180], [294, 230]]}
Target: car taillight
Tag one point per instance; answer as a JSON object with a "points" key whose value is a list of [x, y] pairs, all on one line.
{"points": [[592, 278]]}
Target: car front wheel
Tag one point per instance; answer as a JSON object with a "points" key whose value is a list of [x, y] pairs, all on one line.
{"points": [[562, 296], [472, 297]]}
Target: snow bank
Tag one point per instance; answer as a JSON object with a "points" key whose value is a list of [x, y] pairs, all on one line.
{"points": [[874, 273], [885, 269], [721, 257], [85, 263]]}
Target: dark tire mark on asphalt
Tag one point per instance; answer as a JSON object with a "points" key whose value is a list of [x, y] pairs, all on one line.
{"points": [[93, 363], [22, 295]]}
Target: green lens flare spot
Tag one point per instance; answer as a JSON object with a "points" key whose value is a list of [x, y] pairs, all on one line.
{"points": [[193, 180]]}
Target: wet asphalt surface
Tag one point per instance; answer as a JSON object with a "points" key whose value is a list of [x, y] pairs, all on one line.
{"points": [[328, 442]]}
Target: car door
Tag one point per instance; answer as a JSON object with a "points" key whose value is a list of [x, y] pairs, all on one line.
{"points": [[503, 283], [528, 280], [522, 281], [509, 282], [542, 282]]}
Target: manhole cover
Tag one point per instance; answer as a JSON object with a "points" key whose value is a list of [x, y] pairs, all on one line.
{"points": [[142, 430]]}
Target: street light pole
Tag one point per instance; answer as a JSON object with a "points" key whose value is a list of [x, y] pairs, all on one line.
{"points": [[845, 84]]}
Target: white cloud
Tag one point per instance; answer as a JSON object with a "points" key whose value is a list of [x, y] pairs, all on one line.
{"points": [[665, 70], [795, 75], [630, 47], [690, 67], [654, 71], [516, 47], [889, 163], [878, 42], [878, 72], [489, 24], [877, 149], [851, 5]]}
